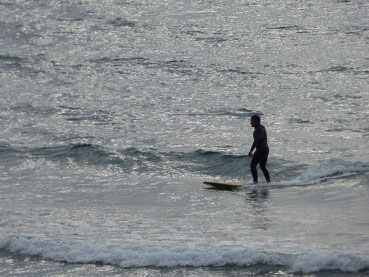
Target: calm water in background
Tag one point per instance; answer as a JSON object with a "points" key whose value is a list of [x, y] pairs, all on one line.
{"points": [[112, 113]]}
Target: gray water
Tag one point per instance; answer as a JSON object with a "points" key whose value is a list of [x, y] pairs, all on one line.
{"points": [[113, 113]]}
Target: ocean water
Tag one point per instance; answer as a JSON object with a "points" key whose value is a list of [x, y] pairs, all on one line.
{"points": [[113, 113]]}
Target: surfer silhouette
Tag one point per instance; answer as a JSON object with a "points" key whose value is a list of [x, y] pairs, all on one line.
{"points": [[262, 149]]}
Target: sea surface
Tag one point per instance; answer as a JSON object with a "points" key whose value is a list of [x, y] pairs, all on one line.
{"points": [[113, 113]]}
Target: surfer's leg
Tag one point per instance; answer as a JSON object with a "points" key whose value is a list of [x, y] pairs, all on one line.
{"points": [[254, 162], [263, 162]]}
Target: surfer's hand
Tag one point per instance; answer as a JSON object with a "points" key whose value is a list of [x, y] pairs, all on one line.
{"points": [[250, 153]]}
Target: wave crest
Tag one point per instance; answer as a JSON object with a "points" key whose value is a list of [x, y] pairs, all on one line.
{"points": [[329, 169], [210, 163], [141, 255]]}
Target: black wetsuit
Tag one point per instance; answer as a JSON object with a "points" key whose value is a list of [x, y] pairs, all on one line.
{"points": [[261, 153]]}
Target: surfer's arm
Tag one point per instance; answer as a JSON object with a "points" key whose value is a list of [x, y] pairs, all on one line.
{"points": [[252, 149], [257, 138], [253, 146]]}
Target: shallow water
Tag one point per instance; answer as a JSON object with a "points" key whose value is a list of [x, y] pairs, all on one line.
{"points": [[113, 113]]}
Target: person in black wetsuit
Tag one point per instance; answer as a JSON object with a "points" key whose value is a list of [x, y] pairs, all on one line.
{"points": [[262, 149]]}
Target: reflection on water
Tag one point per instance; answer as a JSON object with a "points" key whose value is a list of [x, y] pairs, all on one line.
{"points": [[258, 200]]}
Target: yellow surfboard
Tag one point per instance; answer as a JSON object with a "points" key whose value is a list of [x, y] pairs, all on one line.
{"points": [[224, 186], [228, 186]]}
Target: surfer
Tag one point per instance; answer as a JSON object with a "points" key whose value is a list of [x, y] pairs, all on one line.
{"points": [[262, 149]]}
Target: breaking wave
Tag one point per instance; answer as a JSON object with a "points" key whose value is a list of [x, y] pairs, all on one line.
{"points": [[329, 169], [141, 255], [209, 163]]}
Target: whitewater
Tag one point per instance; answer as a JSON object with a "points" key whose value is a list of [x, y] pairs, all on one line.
{"points": [[113, 114]]}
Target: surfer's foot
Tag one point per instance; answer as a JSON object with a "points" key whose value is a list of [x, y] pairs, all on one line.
{"points": [[255, 183]]}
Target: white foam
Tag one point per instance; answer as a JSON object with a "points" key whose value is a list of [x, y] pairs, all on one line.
{"points": [[330, 169], [129, 256]]}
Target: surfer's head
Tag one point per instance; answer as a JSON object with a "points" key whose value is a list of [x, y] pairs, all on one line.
{"points": [[255, 120]]}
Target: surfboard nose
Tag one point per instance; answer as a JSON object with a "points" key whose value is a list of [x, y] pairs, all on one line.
{"points": [[223, 186]]}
